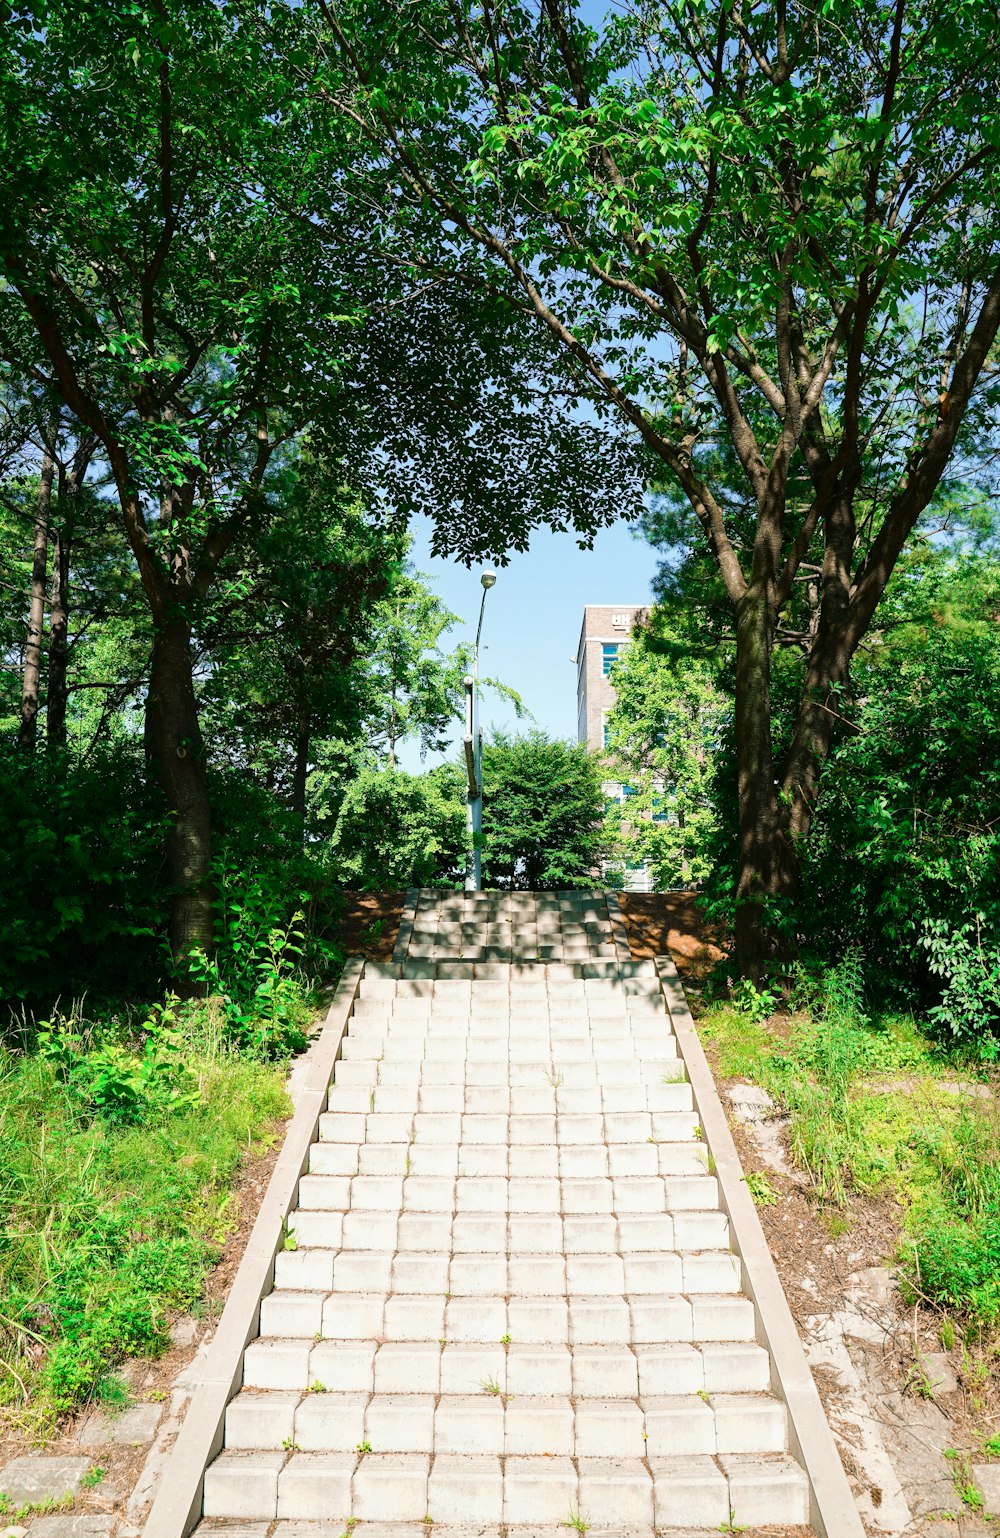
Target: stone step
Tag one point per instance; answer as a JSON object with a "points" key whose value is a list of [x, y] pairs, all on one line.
{"points": [[446, 1274], [372, 1364], [510, 1298], [656, 1426], [467, 1488]]}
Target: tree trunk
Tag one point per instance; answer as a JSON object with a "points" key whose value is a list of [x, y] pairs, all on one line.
{"points": [[62, 545], [174, 737], [300, 771], [58, 690], [767, 865], [28, 729]]}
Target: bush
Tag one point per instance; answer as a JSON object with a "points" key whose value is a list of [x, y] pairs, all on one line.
{"points": [[543, 809], [107, 1078], [399, 830], [80, 895]]}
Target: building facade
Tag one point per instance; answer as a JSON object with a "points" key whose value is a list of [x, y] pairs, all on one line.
{"points": [[605, 630]]}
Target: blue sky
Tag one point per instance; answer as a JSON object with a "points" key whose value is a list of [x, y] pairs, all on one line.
{"points": [[532, 621]]}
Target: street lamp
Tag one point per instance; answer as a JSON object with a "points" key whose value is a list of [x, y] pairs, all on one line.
{"points": [[474, 754]]}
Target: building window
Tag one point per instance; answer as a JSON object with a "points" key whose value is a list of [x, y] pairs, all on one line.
{"points": [[609, 651], [628, 791], [605, 731]]}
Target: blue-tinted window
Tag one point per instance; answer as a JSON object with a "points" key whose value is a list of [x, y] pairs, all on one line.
{"points": [[607, 735], [609, 652]]}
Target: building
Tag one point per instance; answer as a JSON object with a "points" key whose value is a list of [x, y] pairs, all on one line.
{"points": [[605, 630]]}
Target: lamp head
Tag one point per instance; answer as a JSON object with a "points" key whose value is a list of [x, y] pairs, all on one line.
{"points": [[488, 578]]}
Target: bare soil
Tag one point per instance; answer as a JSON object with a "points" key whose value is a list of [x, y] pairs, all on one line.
{"points": [[662, 923], [370, 923]]}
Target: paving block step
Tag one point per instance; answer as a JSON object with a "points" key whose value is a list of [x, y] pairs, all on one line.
{"points": [[509, 1296]]}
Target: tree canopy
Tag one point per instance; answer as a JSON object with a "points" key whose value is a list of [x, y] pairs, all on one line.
{"points": [[769, 230]]}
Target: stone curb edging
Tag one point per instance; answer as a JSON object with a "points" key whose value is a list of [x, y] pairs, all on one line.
{"points": [[176, 1507], [832, 1508], [407, 920], [618, 928]]}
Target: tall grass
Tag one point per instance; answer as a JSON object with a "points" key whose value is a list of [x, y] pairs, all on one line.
{"points": [[867, 1113], [109, 1218]]}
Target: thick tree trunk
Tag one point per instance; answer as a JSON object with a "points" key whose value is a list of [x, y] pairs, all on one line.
{"points": [[767, 865], [28, 729], [58, 689], [174, 737]]}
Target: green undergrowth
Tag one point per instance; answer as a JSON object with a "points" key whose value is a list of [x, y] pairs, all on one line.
{"points": [[120, 1142], [874, 1108]]}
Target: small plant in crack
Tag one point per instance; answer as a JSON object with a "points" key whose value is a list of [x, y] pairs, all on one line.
{"points": [[732, 1526], [490, 1386], [290, 1445], [505, 1340], [363, 1447], [576, 1520], [761, 1189], [317, 1387]]}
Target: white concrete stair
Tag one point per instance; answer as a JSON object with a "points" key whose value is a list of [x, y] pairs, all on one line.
{"points": [[512, 1304]]}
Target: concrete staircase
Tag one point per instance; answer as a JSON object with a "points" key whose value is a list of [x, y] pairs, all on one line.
{"points": [[512, 926], [508, 1301]]}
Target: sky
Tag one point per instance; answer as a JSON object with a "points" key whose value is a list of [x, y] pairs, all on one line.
{"points": [[531, 625]]}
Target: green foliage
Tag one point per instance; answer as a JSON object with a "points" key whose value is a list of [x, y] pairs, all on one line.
{"points": [[80, 878], [399, 830], [663, 739], [904, 858], [111, 1219], [107, 1078], [969, 966], [868, 1113], [542, 814]]}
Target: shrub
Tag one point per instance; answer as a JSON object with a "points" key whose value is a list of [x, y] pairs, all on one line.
{"points": [[400, 830], [543, 810], [110, 1222], [80, 892]]}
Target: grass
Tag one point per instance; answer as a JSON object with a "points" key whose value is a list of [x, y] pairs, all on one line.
{"points": [[869, 1112], [114, 1207]]}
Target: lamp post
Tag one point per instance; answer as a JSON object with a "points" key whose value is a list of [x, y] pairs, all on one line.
{"points": [[474, 754]]}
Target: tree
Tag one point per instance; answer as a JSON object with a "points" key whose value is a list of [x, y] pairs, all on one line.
{"points": [[664, 738], [772, 228], [288, 639], [400, 830], [542, 814], [162, 304], [905, 853]]}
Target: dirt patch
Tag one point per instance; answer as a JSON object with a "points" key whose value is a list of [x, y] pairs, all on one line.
{"points": [[670, 923], [370, 923]]}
